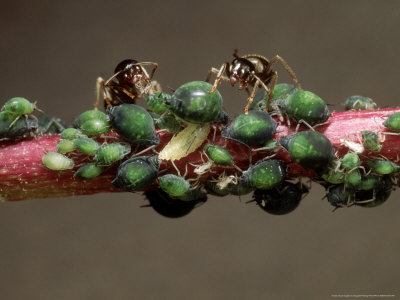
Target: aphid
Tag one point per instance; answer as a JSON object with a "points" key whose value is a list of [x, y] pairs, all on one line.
{"points": [[89, 171], [352, 180], [382, 167], [65, 146], [282, 200], [169, 207], [219, 155], [310, 149], [168, 123], [333, 175], [265, 175], [71, 134], [353, 146], [57, 162], [92, 122], [305, 107], [192, 103], [110, 153], [371, 140], [338, 196], [50, 125], [393, 122], [194, 195], [251, 70], [213, 189], [19, 106], [133, 123], [86, 145], [254, 129], [240, 188], [369, 182], [281, 91], [137, 173], [129, 82], [350, 161], [156, 102], [174, 185], [357, 102], [10, 128]]}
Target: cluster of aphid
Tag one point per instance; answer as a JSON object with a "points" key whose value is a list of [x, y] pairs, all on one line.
{"points": [[193, 114]]}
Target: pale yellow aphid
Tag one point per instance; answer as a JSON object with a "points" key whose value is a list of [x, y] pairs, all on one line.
{"points": [[185, 142]]}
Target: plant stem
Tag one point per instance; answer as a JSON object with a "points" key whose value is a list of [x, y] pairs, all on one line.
{"points": [[22, 175]]}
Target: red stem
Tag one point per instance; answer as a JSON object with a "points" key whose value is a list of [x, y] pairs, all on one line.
{"points": [[22, 175]]}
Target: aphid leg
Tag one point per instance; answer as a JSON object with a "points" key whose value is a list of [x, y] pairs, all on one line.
{"points": [[13, 122], [55, 122], [144, 151], [175, 167], [287, 68], [219, 76], [305, 123]]}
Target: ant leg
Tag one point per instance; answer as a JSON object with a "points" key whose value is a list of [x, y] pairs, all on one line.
{"points": [[219, 76], [99, 86], [148, 63], [287, 68], [250, 99]]}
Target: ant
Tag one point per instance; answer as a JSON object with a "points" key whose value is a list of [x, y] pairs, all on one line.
{"points": [[130, 81], [251, 70]]}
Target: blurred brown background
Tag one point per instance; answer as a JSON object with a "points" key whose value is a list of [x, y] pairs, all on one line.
{"points": [[106, 246]]}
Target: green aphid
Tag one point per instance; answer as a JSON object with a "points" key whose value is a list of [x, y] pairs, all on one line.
{"points": [[333, 175], [352, 180], [339, 196], [95, 127], [174, 185], [133, 123], [305, 106], [110, 153], [168, 123], [371, 141], [280, 201], [89, 171], [50, 125], [65, 146], [350, 161], [310, 149], [375, 197], [86, 145], [281, 91], [393, 122], [213, 189], [219, 155], [12, 127], [265, 175], [137, 173], [357, 102], [19, 106], [241, 188], [156, 102], [369, 182], [57, 162], [382, 167], [254, 129], [193, 195], [193, 103], [90, 115], [71, 134]]}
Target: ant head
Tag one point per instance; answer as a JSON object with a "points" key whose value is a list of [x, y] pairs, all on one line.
{"points": [[240, 71], [129, 71]]}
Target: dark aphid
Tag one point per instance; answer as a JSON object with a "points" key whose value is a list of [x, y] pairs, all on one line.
{"points": [[213, 189], [92, 122], [57, 162], [196, 195], [89, 171], [168, 123], [19, 106], [350, 161], [369, 182], [219, 155], [375, 197], [50, 125], [169, 207], [281, 91], [129, 82], [265, 175], [254, 129], [339, 196], [357, 102], [241, 188], [156, 102], [71, 134], [133, 123], [65, 146], [86, 145], [110, 153], [305, 106], [352, 180], [382, 167], [137, 173], [11, 128], [393, 122], [251, 70], [310, 149], [174, 185], [193, 103], [282, 200], [371, 140]]}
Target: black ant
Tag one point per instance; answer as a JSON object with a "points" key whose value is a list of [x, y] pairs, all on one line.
{"points": [[130, 81], [251, 70]]}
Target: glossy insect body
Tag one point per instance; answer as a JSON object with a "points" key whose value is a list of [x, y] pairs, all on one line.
{"points": [[89, 171], [110, 153], [357, 102], [92, 122], [393, 122], [12, 128], [129, 82], [57, 162], [19, 106], [266, 175], [174, 185]]}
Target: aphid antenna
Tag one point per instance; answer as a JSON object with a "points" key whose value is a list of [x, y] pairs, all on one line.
{"points": [[143, 151], [171, 89]]}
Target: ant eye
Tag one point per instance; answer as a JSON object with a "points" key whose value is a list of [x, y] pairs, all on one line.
{"points": [[124, 64]]}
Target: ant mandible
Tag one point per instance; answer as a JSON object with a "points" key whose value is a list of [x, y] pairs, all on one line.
{"points": [[130, 81], [251, 70]]}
